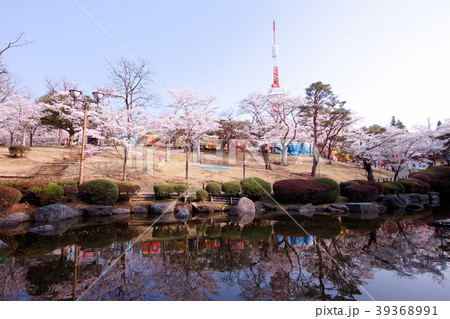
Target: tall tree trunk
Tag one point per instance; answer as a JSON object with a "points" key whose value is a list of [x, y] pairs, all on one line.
{"points": [[315, 161], [125, 161], [397, 172], [369, 170], [11, 138], [71, 138], [284, 152], [30, 134], [60, 137], [187, 165], [24, 136]]}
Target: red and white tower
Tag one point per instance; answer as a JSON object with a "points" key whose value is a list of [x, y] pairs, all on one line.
{"points": [[275, 88]]}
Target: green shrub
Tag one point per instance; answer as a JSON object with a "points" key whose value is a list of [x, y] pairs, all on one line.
{"points": [[329, 196], [255, 188], [179, 188], [162, 190], [192, 198], [343, 186], [393, 188], [126, 190], [202, 195], [100, 192], [71, 192], [165, 190], [231, 188], [24, 186], [411, 186], [213, 189], [48, 194], [362, 193], [16, 150], [9, 196]]}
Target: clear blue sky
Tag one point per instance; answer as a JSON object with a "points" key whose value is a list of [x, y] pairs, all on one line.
{"points": [[395, 60]]}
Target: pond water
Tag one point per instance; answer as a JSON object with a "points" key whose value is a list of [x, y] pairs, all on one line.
{"points": [[333, 258]]}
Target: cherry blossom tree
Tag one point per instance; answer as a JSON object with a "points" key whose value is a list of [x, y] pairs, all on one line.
{"points": [[191, 120], [274, 118], [62, 112], [443, 133], [396, 147], [20, 116]]}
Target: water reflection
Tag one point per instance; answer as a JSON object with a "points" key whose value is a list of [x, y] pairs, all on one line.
{"points": [[327, 258]]}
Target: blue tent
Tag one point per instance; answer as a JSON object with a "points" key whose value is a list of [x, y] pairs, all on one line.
{"points": [[295, 149]]}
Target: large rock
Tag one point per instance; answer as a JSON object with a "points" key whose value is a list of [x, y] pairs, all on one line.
{"points": [[20, 217], [307, 210], [139, 210], [392, 202], [43, 230], [337, 209], [8, 223], [161, 208], [183, 215], [441, 223], [435, 199], [244, 211], [366, 208], [120, 211], [179, 207], [98, 210], [203, 210], [54, 212]]}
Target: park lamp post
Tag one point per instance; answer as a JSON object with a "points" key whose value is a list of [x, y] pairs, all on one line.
{"points": [[77, 96]]}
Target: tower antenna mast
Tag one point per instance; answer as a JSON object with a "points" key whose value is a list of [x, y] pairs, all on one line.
{"points": [[276, 82]]}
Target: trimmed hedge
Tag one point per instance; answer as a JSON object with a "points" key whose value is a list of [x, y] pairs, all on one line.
{"points": [[48, 194], [126, 190], [192, 198], [231, 188], [422, 177], [100, 192], [255, 188], [71, 192], [9, 196], [379, 186], [25, 186], [300, 191], [202, 195], [329, 196], [362, 193], [16, 150], [393, 188], [213, 189], [165, 190], [442, 187], [343, 185], [425, 186], [411, 185]]}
